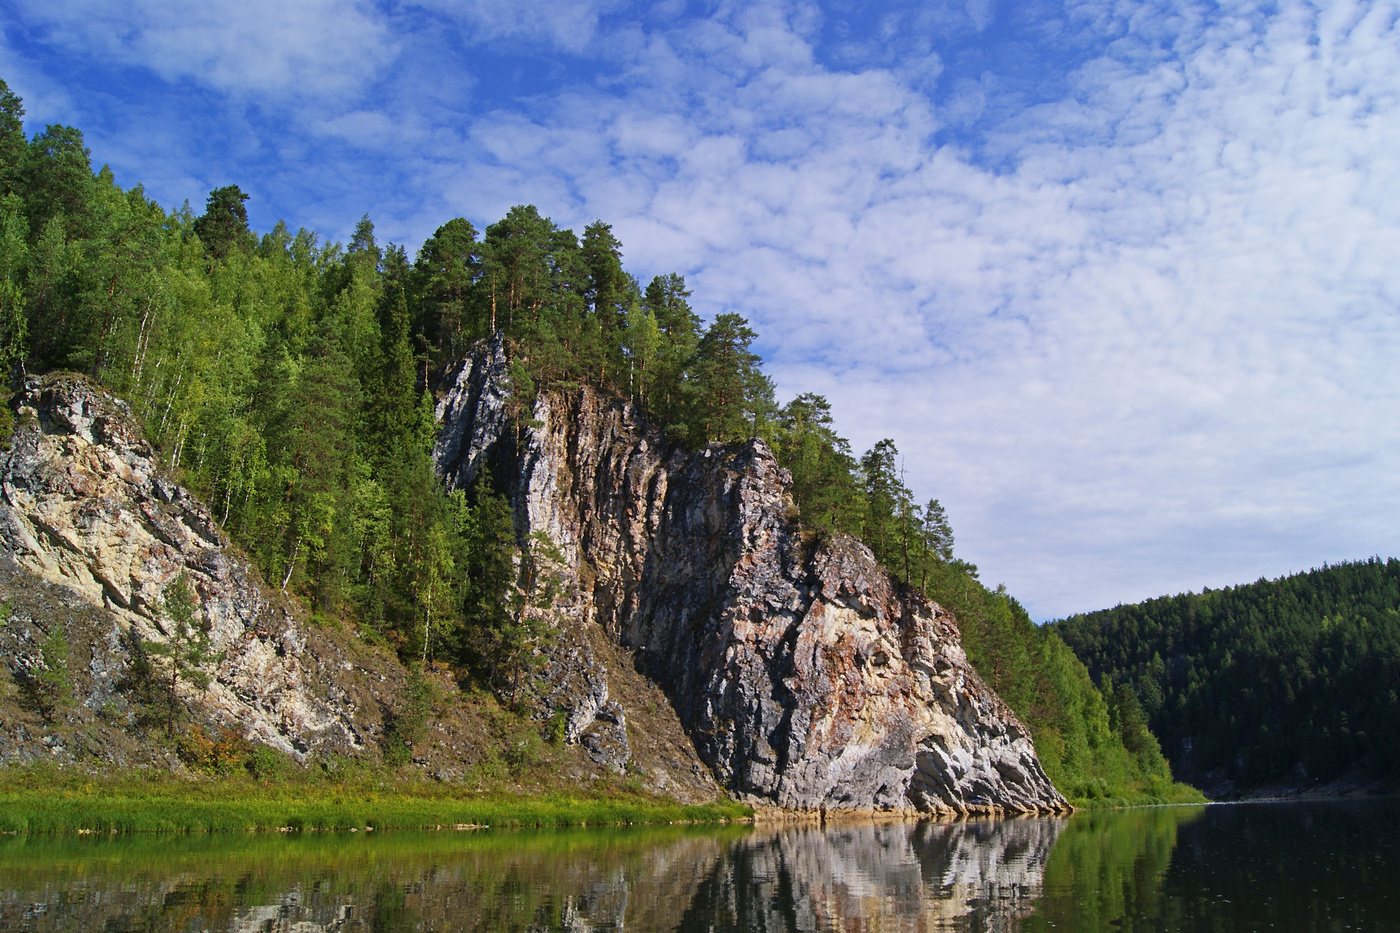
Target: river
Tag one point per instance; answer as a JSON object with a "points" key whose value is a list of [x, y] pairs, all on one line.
{"points": [[1329, 866]]}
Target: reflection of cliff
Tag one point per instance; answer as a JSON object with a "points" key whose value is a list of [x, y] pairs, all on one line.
{"points": [[962, 876], [931, 876]]}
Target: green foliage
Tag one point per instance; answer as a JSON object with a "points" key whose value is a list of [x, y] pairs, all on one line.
{"points": [[731, 398], [55, 177], [14, 258], [824, 474], [12, 141], [513, 634], [406, 726], [1289, 679], [45, 683], [523, 752], [223, 227], [47, 800], [267, 764], [186, 650], [446, 273], [557, 729]]}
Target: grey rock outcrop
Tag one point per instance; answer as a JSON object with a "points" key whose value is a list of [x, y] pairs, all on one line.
{"points": [[94, 529], [85, 504], [805, 677]]}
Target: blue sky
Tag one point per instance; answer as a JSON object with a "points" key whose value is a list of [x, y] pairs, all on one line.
{"points": [[1122, 279]]}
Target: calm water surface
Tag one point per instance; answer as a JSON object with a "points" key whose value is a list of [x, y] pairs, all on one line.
{"points": [[1296, 866]]}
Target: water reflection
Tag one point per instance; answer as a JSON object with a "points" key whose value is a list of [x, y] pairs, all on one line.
{"points": [[1298, 866], [969, 876], [1107, 870], [904, 877]]}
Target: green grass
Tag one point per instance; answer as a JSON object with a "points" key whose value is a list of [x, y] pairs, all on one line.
{"points": [[1097, 794], [47, 800]]}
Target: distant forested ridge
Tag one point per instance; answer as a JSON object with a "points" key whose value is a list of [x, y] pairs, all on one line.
{"points": [[291, 381], [1291, 680]]}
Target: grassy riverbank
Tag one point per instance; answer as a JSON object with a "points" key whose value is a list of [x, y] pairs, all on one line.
{"points": [[48, 800], [1157, 793]]}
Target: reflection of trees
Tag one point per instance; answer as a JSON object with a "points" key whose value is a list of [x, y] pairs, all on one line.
{"points": [[1107, 869], [577, 881]]}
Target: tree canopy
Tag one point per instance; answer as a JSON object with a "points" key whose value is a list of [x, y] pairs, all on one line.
{"points": [[1291, 680]]}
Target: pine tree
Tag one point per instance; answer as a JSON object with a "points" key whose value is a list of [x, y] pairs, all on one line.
{"points": [[223, 227], [187, 649], [56, 178], [666, 302], [14, 257], [12, 140], [733, 399], [448, 316]]}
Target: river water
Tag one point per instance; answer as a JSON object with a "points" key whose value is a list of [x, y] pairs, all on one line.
{"points": [[1329, 866]]}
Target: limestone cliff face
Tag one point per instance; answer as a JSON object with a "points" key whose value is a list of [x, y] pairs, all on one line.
{"points": [[804, 676], [85, 504]]}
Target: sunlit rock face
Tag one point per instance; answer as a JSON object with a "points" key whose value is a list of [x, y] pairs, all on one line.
{"points": [[86, 503], [805, 677]]}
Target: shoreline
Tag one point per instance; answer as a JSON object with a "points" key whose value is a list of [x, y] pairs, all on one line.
{"points": [[59, 801]]}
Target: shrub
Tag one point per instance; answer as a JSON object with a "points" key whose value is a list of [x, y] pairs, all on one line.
{"points": [[404, 727], [44, 680]]}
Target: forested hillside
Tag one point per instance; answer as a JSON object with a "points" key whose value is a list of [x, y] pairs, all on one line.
{"points": [[1291, 680], [291, 381]]}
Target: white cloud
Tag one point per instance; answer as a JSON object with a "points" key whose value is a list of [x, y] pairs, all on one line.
{"points": [[566, 24], [310, 47], [1150, 349], [1154, 356]]}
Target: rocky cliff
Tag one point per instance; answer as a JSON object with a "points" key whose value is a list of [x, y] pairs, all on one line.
{"points": [[804, 676], [94, 528], [86, 508], [702, 634]]}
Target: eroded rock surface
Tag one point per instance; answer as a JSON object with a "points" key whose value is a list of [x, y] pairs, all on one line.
{"points": [[85, 504], [804, 677]]}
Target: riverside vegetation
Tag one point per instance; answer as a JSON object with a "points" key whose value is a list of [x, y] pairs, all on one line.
{"points": [[276, 795], [289, 382]]}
